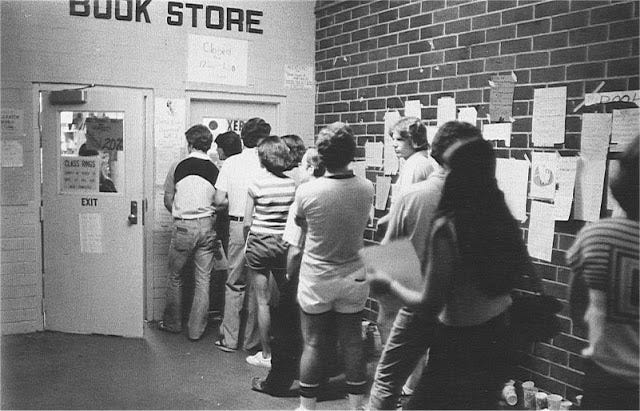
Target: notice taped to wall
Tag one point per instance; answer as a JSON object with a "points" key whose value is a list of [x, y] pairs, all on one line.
{"points": [[299, 76]]}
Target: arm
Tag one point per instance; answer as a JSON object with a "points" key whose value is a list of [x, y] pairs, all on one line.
{"points": [[248, 214], [439, 272], [294, 258], [169, 189], [220, 199]]}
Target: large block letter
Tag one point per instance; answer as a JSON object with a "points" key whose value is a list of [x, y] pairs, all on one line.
{"points": [[125, 17], [171, 6], [101, 15], [73, 8], [142, 9], [251, 21], [212, 11], [237, 20]]}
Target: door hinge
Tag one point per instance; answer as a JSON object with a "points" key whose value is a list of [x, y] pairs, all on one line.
{"points": [[41, 213], [144, 210]]}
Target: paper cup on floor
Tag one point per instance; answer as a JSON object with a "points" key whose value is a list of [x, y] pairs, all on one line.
{"points": [[541, 400], [529, 395], [553, 401]]}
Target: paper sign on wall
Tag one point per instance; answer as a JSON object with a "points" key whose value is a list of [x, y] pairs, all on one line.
{"points": [[566, 179], [512, 176], [413, 108], [12, 121], [543, 175], [373, 154], [594, 140], [12, 153], [468, 115], [217, 60], [624, 128], [359, 168], [390, 120], [501, 97], [431, 133], [298, 76], [549, 111], [383, 187], [446, 110], [541, 228], [589, 188], [498, 132]]}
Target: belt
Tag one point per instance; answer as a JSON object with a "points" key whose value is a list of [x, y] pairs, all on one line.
{"points": [[234, 218], [192, 219]]}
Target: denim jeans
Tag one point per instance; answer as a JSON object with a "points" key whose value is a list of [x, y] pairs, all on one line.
{"points": [[190, 239], [407, 343], [238, 299]]}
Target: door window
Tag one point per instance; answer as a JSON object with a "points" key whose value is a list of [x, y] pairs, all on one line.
{"points": [[91, 155]]}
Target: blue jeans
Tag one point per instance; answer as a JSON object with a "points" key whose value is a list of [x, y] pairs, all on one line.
{"points": [[407, 343], [190, 238]]}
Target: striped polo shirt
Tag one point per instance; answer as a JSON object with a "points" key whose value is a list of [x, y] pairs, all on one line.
{"points": [[192, 180], [272, 196]]}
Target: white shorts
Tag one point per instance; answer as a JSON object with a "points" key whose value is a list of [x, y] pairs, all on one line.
{"points": [[342, 293]]}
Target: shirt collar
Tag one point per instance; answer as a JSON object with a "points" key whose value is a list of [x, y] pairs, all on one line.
{"points": [[199, 154]]}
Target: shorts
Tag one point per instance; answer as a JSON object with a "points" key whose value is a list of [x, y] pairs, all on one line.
{"points": [[345, 294], [266, 252]]}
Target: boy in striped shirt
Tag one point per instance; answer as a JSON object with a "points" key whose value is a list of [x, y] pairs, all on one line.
{"points": [[269, 197]]}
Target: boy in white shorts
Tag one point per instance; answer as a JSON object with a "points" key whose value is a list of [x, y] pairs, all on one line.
{"points": [[332, 291]]}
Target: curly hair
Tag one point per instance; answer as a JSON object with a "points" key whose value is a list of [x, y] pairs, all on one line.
{"points": [[253, 131], [199, 137], [413, 130], [230, 143], [296, 149], [273, 154], [311, 158], [624, 185], [336, 145]]}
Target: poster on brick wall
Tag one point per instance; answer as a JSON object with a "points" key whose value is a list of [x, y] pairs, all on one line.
{"points": [[446, 110], [565, 184], [549, 112], [543, 175], [624, 128], [541, 228], [501, 97], [298, 76], [512, 176]]}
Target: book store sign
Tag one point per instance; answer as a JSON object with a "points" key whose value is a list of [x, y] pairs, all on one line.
{"points": [[189, 14]]}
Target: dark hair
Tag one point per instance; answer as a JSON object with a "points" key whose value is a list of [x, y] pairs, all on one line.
{"points": [[296, 149], [230, 143], [313, 160], [199, 137], [449, 133], [490, 242], [336, 145], [624, 185], [253, 131], [85, 151], [414, 130], [273, 154]]}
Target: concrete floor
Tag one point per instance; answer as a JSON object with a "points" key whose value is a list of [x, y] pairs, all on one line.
{"points": [[50, 370]]}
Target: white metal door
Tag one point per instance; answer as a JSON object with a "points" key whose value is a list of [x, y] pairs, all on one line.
{"points": [[92, 193]]}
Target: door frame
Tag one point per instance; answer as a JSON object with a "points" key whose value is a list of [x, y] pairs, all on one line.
{"points": [[279, 100], [147, 183]]}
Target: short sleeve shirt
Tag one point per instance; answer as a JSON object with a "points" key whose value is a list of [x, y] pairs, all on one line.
{"points": [[235, 175]]}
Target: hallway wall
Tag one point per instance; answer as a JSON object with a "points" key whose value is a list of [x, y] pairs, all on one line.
{"points": [[372, 57]]}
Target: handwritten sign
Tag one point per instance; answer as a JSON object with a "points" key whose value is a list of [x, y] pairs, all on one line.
{"points": [[105, 134], [629, 96], [80, 173], [12, 121], [217, 60], [298, 76]]}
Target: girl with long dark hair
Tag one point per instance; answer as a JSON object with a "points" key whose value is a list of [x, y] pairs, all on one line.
{"points": [[476, 253]]}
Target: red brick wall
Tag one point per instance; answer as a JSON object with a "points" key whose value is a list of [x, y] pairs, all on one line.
{"points": [[373, 56]]}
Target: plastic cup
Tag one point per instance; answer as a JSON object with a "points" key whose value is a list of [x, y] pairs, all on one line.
{"points": [[541, 400], [566, 405], [529, 391], [554, 401]]}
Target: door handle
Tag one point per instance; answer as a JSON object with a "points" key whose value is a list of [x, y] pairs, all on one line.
{"points": [[133, 216]]}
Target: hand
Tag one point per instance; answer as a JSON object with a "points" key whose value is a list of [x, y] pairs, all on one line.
{"points": [[379, 281]]}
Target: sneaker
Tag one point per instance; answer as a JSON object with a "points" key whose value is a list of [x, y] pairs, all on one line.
{"points": [[258, 360]]}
